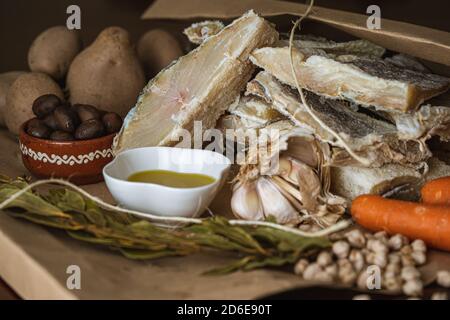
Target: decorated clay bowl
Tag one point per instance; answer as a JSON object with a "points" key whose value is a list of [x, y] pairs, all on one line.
{"points": [[81, 161]]}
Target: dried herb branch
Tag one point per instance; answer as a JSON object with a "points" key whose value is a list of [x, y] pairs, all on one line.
{"points": [[83, 219]]}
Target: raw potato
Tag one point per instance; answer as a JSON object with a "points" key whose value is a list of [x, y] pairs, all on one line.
{"points": [[21, 95], [53, 51], [6, 80], [157, 49], [107, 74]]}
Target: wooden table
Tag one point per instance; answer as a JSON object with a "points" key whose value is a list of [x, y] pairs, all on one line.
{"points": [[6, 293]]}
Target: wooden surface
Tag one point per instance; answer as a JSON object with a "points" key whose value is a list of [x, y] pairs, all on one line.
{"points": [[6, 293]]}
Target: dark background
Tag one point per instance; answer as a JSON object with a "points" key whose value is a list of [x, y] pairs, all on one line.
{"points": [[22, 20]]}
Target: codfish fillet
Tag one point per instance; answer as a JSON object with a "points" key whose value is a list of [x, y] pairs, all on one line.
{"points": [[355, 47], [198, 32], [373, 139], [426, 122], [255, 109], [366, 81], [351, 182], [197, 87]]}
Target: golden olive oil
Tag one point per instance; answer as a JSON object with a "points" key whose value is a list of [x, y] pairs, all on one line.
{"points": [[172, 178]]}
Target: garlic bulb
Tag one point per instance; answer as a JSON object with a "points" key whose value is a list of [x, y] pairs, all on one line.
{"points": [[245, 202], [296, 191], [274, 203]]}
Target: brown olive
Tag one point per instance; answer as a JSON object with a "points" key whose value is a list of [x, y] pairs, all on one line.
{"points": [[66, 118], [87, 112], [46, 104], [38, 129], [50, 121], [61, 136], [112, 122], [90, 129]]}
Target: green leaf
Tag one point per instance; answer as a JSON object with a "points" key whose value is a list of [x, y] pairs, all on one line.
{"points": [[87, 237], [49, 221], [71, 201], [221, 226], [269, 262], [232, 267], [147, 255], [29, 202], [94, 214]]}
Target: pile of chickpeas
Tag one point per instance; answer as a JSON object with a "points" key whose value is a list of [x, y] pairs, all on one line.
{"points": [[351, 255]]}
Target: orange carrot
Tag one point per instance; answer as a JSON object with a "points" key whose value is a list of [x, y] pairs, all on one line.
{"points": [[437, 191], [431, 223]]}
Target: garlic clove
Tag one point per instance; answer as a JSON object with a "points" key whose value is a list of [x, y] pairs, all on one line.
{"points": [[245, 202], [308, 184], [274, 203]]}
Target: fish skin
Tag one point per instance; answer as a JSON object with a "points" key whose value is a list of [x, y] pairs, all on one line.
{"points": [[197, 87], [366, 81], [358, 47]]}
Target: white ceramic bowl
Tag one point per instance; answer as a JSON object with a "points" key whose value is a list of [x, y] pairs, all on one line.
{"points": [[162, 200]]}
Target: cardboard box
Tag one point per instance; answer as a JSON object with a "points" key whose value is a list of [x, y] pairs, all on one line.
{"points": [[422, 42]]}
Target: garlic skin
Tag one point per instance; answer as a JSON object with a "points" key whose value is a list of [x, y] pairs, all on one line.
{"points": [[274, 202], [245, 202]]}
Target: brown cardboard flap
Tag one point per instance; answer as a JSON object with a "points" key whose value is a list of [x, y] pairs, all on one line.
{"points": [[418, 41]]}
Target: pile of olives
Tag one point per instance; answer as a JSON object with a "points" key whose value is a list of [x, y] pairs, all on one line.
{"points": [[58, 120]]}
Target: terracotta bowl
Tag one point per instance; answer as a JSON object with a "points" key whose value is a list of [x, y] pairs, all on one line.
{"points": [[81, 162]]}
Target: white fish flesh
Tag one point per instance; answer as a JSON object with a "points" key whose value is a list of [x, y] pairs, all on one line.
{"points": [[197, 87]]}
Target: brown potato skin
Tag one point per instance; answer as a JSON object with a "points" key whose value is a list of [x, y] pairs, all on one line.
{"points": [[6, 80], [156, 49], [21, 95], [107, 74], [53, 51]]}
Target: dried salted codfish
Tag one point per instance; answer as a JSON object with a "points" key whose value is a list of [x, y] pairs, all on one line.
{"points": [[406, 61], [356, 47], [366, 81], [255, 109], [373, 139], [432, 119], [426, 122], [198, 32], [199, 86], [233, 122], [351, 182]]}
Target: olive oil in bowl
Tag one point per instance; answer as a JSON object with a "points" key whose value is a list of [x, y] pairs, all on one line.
{"points": [[172, 178]]}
